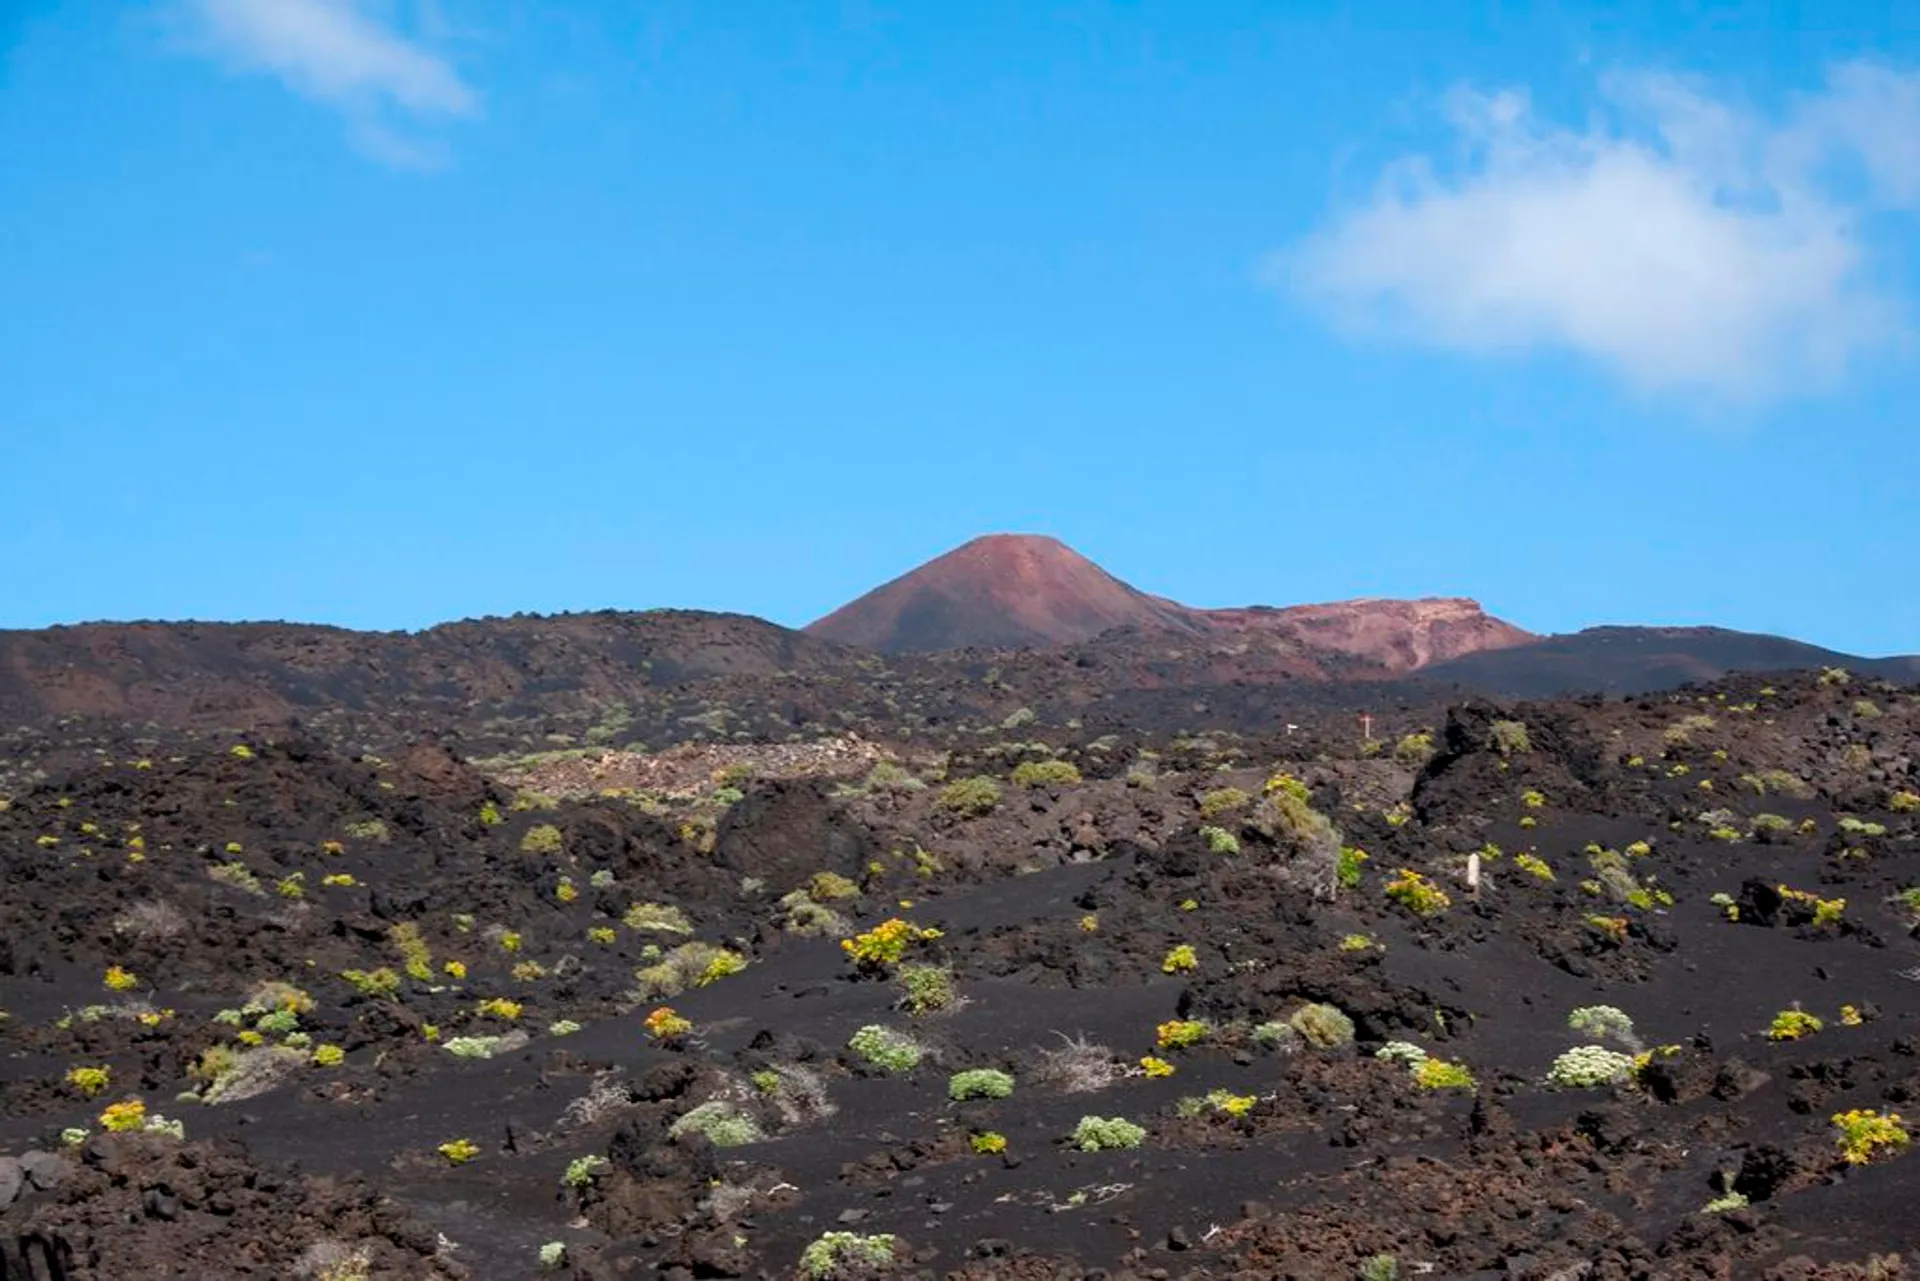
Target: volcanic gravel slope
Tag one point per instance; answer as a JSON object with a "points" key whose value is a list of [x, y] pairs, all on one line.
{"points": [[325, 969]]}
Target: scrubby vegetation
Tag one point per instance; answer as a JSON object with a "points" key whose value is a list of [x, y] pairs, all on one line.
{"points": [[1304, 989]]}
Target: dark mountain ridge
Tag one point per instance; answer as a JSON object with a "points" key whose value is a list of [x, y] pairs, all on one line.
{"points": [[1003, 623]]}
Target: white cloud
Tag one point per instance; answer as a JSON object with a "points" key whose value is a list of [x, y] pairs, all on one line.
{"points": [[1685, 242], [336, 52]]}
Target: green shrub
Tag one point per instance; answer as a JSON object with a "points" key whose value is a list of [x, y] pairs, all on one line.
{"points": [[1588, 1066], [236, 874], [890, 776], [885, 944], [582, 1171], [375, 983], [886, 1049], [1379, 1267], [928, 989], [1438, 1074], [1109, 1133], [838, 1254], [1533, 865], [1681, 732], [688, 965], [830, 887], [1045, 774], [969, 797], [808, 919], [1603, 1021], [1402, 1052], [478, 1047], [1219, 840], [657, 918], [980, 1083], [723, 1124], [1276, 1036], [277, 1023], [723, 964], [1792, 1025], [1322, 1026], [1222, 800], [1511, 738], [415, 958], [1346, 868], [1777, 780], [1417, 894], [542, 839], [1414, 749]]}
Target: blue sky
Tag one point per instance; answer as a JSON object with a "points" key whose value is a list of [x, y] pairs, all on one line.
{"points": [[385, 313]]}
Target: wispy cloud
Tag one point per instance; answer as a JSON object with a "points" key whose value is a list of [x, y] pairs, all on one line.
{"points": [[339, 53], [1683, 240]]}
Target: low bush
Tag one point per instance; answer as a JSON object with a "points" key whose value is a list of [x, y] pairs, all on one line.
{"points": [[969, 797], [1045, 774], [885, 944], [886, 1049], [685, 966], [1110, 1133], [582, 1171], [1864, 1134], [1417, 894], [980, 1083], [656, 918], [542, 839], [1179, 1034], [723, 1124], [1603, 1021], [1438, 1074], [1511, 738], [382, 982], [838, 1254], [1588, 1066], [1220, 841], [1222, 800], [665, 1024], [928, 989], [1324, 1027], [1792, 1025]]}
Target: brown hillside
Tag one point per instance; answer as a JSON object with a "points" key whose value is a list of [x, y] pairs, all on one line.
{"points": [[1012, 590], [243, 674], [1002, 591], [1396, 636]]}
